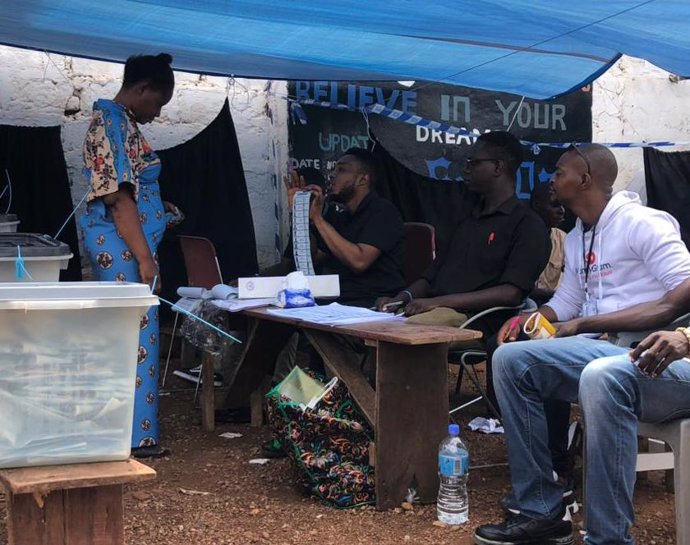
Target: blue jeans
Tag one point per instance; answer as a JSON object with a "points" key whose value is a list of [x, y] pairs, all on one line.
{"points": [[613, 395]]}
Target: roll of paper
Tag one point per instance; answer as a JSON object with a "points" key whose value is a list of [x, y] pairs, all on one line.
{"points": [[193, 293], [222, 291]]}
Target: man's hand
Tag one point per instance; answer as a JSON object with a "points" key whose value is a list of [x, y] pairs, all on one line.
{"points": [[316, 205], [294, 183], [147, 272], [567, 329], [658, 350], [390, 304], [510, 330], [418, 306]]}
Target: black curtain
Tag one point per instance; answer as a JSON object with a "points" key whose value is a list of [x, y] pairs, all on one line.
{"points": [[34, 160], [205, 178], [443, 204], [667, 177]]}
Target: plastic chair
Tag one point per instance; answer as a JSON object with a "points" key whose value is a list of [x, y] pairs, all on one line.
{"points": [[200, 262], [676, 434], [203, 271], [468, 358], [420, 249]]}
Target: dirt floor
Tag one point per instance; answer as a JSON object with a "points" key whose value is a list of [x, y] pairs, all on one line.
{"points": [[208, 493]]}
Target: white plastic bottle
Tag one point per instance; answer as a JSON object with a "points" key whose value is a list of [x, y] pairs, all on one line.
{"points": [[452, 506]]}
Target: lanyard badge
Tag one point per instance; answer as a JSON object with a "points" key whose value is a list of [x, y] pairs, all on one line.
{"points": [[591, 304]]}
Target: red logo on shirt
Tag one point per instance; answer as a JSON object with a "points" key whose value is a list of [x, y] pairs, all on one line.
{"points": [[591, 258]]}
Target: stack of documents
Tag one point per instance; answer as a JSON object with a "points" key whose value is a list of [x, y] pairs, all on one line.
{"points": [[335, 314]]}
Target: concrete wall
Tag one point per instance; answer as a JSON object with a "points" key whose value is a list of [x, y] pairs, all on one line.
{"points": [[637, 102], [37, 89], [633, 102]]}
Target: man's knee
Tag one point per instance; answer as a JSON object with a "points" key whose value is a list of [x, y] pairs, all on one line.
{"points": [[600, 376], [507, 360]]}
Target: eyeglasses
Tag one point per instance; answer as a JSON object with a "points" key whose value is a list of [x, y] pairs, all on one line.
{"points": [[576, 148], [471, 163]]}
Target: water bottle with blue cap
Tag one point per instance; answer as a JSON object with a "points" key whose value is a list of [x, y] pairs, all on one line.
{"points": [[452, 506]]}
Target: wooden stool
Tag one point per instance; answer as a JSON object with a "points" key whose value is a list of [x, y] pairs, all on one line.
{"points": [[77, 504]]}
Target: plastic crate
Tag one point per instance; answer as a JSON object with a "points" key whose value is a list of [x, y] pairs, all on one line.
{"points": [[43, 257], [68, 358], [8, 223]]}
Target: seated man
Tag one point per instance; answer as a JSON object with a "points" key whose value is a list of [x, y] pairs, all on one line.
{"points": [[619, 254], [552, 213], [332, 211], [366, 248], [495, 254]]}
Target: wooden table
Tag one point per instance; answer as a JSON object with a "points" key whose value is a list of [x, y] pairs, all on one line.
{"points": [[408, 409], [76, 504]]}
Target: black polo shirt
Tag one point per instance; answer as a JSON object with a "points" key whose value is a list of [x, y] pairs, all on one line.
{"points": [[510, 245], [376, 222]]}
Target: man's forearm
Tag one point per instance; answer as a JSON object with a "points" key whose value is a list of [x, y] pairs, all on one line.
{"points": [[345, 251], [652, 315], [643, 316], [500, 296]]}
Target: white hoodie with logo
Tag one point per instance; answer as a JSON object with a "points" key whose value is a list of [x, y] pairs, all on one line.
{"points": [[637, 256]]}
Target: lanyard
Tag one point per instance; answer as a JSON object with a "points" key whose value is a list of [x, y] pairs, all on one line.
{"points": [[586, 257]]}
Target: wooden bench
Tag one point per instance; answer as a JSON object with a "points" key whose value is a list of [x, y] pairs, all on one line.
{"points": [[77, 504]]}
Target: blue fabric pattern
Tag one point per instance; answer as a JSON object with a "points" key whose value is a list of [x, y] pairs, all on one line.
{"points": [[112, 260]]}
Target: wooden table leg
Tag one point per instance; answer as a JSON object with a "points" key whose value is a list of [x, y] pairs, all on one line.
{"points": [[78, 516], [264, 342], [208, 397], [411, 420]]}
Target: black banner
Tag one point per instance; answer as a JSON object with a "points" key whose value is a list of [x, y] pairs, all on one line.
{"points": [[430, 153]]}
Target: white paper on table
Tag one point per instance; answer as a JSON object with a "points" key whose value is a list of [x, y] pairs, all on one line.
{"points": [[301, 246], [335, 314], [235, 305]]}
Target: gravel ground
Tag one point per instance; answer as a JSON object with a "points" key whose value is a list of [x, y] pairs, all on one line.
{"points": [[207, 493]]}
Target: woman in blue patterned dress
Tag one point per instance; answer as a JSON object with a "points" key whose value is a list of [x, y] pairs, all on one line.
{"points": [[125, 217]]}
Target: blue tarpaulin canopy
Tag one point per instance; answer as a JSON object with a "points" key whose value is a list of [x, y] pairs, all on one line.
{"points": [[537, 48]]}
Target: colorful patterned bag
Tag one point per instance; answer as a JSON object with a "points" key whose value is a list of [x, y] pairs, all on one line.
{"points": [[329, 446]]}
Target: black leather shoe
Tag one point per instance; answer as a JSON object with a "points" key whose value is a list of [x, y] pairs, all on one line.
{"points": [[522, 530]]}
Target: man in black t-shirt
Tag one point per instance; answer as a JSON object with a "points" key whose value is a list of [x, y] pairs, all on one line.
{"points": [[495, 254], [332, 211], [365, 248]]}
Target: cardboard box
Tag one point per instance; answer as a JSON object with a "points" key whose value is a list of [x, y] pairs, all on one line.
{"points": [[324, 285]]}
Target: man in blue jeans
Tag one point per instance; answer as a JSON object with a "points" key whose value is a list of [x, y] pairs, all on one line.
{"points": [[626, 270]]}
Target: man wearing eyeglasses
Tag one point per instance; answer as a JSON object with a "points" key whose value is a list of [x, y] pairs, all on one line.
{"points": [[366, 247], [495, 254], [623, 262]]}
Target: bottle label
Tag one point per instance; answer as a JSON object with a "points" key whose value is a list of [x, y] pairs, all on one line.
{"points": [[453, 466]]}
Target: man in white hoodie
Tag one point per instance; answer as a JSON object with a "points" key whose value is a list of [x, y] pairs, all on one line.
{"points": [[620, 254]]}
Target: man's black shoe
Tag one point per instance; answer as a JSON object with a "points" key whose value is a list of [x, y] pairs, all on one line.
{"points": [[522, 530], [569, 502]]}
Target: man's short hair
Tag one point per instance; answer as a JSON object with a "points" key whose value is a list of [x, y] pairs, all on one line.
{"points": [[368, 163], [504, 146]]}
